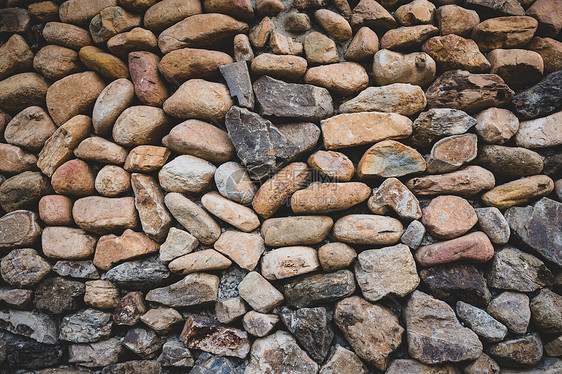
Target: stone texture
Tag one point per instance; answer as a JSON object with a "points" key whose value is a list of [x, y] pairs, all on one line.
{"points": [[161, 319], [138, 125], [16, 56], [143, 342], [103, 215], [402, 98], [166, 13], [393, 195], [204, 260], [112, 181], [512, 309], [146, 158], [434, 333], [136, 39], [416, 68], [550, 51], [111, 21], [540, 100], [58, 295], [372, 330], [483, 324], [22, 90], [313, 290], [413, 366], [345, 78], [389, 159], [259, 324], [287, 262], [74, 178], [448, 216], [517, 192], [186, 173], [99, 149], [343, 361], [175, 354], [149, 85], [149, 201], [285, 67], [364, 45], [97, 354], [455, 52], [239, 84], [531, 133], [546, 309], [35, 325], [66, 35], [23, 267], [112, 249], [496, 125], [23, 191], [76, 269], [111, 102], [416, 12], [67, 243], [405, 38], [296, 230], [519, 68], [104, 63], [367, 229], [243, 248], [548, 13], [194, 289], [475, 247], [494, 224], [86, 326], [19, 228], [511, 162], [453, 19], [188, 63], [465, 182], [259, 293], [439, 122], [483, 364], [452, 152], [332, 164], [101, 294], [30, 129], [526, 350], [322, 198], [504, 32], [229, 310], [319, 49], [413, 235]]}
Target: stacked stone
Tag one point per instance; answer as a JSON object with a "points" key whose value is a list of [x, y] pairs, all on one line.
{"points": [[281, 186]]}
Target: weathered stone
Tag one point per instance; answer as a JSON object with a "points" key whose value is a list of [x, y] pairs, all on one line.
{"points": [[101, 294], [392, 194], [532, 133], [372, 14], [456, 89], [29, 129], [448, 216], [548, 13], [104, 63], [457, 281], [465, 182], [112, 181], [287, 262], [364, 45], [111, 102], [455, 52], [332, 164], [178, 243], [546, 309], [434, 333], [373, 331], [386, 271], [512, 162], [402, 98], [452, 19], [194, 289], [199, 99], [519, 191], [483, 324], [494, 224], [24, 267], [111, 21], [200, 30], [207, 334], [519, 68], [143, 342], [440, 122], [186, 174], [19, 228], [483, 364], [284, 45], [405, 38], [513, 269], [209, 364], [197, 221], [18, 298], [35, 325], [416, 68], [16, 56], [413, 235], [86, 326], [149, 201], [452, 152], [345, 78], [98, 149], [140, 367], [150, 88], [554, 347], [138, 39], [512, 309], [312, 290], [175, 354], [102, 214], [66, 35], [343, 361], [504, 32], [243, 248], [72, 95], [138, 125], [285, 67], [496, 125], [259, 324], [322, 198], [166, 13], [367, 229], [319, 49], [20, 91], [508, 7], [297, 230], [161, 319], [239, 84], [67, 243], [23, 191], [58, 295], [188, 63], [259, 293], [258, 36], [97, 354], [204, 260], [76, 269], [416, 12], [112, 249], [146, 158], [526, 350], [230, 309], [242, 10], [297, 22], [351, 129], [74, 178], [399, 366], [80, 12], [279, 352], [550, 51], [334, 24], [389, 159]]}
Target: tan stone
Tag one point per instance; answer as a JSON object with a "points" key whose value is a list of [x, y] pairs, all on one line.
{"points": [[541, 132], [364, 45], [44, 11], [474, 247], [336, 256], [100, 150], [416, 68], [15, 56], [205, 260], [453, 19], [56, 210], [517, 67], [279, 66], [138, 39], [243, 248], [149, 201], [367, 229], [112, 249], [165, 13], [20, 91], [200, 99], [58, 148], [200, 30], [269, 7], [186, 174], [259, 324], [296, 230], [273, 193], [161, 319], [178, 243], [15, 160], [352, 129], [321, 198], [372, 14], [407, 37], [138, 125], [504, 32], [297, 22], [67, 243], [319, 49], [392, 194], [80, 12], [259, 293], [102, 214], [242, 48], [465, 182], [237, 9], [549, 15], [194, 289], [104, 63], [452, 152], [230, 309], [146, 158], [73, 95], [101, 294], [287, 262], [23, 191], [201, 139], [345, 78], [188, 63], [400, 366], [284, 45], [239, 216], [550, 51], [111, 102], [415, 13], [388, 159], [234, 183], [198, 222], [112, 181], [111, 21], [66, 35], [74, 177], [496, 125], [455, 52], [55, 62], [332, 164], [401, 98], [518, 192], [30, 129], [259, 34], [335, 25]]}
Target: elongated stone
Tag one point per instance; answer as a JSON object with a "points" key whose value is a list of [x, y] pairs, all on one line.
{"points": [[144, 274], [402, 98], [541, 132], [465, 182], [103, 214], [35, 325], [367, 229], [439, 122], [194, 289], [259, 293], [149, 201], [112, 249], [512, 162], [239, 84], [313, 290], [320, 198], [388, 159], [239, 216], [480, 322], [296, 230], [287, 262], [205, 260], [475, 247], [518, 192], [541, 99]]}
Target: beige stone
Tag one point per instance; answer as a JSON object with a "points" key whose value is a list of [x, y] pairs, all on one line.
{"points": [[102, 214], [101, 150], [15, 160], [453, 19], [550, 51], [415, 13], [20, 91], [296, 230], [279, 66], [165, 13], [448, 216], [80, 12], [287, 262], [519, 191], [455, 52], [388, 159], [496, 125], [465, 182], [407, 37], [234, 183], [15, 56], [367, 229], [541, 132], [259, 34], [336, 256], [452, 152], [66, 35], [243, 248], [112, 249], [178, 243], [30, 129], [319, 198], [401, 98], [259, 324], [149, 201], [372, 14], [332, 164], [161, 319], [517, 67], [416, 68], [146, 158], [335, 25], [319, 49], [230, 309], [101, 294], [138, 39], [504, 32], [111, 102], [205, 260], [239, 216], [74, 178], [112, 181], [67, 243], [364, 45], [242, 48], [186, 174], [56, 210], [138, 125], [111, 21], [284, 45], [345, 78], [259, 293]]}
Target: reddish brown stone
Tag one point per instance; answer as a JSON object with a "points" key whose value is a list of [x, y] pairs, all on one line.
{"points": [[448, 216], [112, 249], [74, 178], [475, 247]]}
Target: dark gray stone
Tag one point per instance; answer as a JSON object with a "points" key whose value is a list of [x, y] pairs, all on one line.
{"points": [[239, 84], [175, 354], [511, 162], [312, 290], [23, 191], [546, 311], [540, 100], [292, 100], [142, 274], [16, 297], [58, 295], [27, 353], [76, 269], [480, 322], [439, 122], [209, 364], [34, 325], [142, 341], [311, 327], [86, 326]]}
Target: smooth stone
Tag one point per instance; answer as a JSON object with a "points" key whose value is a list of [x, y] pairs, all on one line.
{"points": [[58, 295], [434, 333], [106, 64], [345, 78], [30, 129], [259, 324], [56, 210], [292, 100], [320, 49], [239, 216], [287, 262], [439, 122], [509, 7], [97, 354], [178, 243], [464, 182], [531, 133], [398, 276], [474, 247], [457, 281], [526, 350], [103, 214], [234, 183], [197, 222], [23, 191], [86, 326], [519, 68], [456, 89], [80, 12], [546, 311], [317, 289], [320, 198], [483, 324], [547, 12], [66, 35], [513, 269], [204, 260], [504, 32], [389, 159], [550, 51], [19, 228], [259, 293], [332, 164], [405, 38], [189, 63], [200, 30], [242, 10], [243, 248], [111, 102], [23, 268], [229, 310], [35, 325], [344, 361], [452, 152], [149, 201], [334, 24], [363, 46], [494, 224], [372, 14], [393, 195], [111, 21], [297, 22], [455, 52], [372, 330], [416, 68], [138, 39], [112, 181], [512, 309], [287, 67], [67, 243], [74, 178], [239, 84], [401, 98], [186, 173], [496, 125], [335, 256], [296, 230], [352, 129], [284, 45], [150, 88], [161, 319], [99, 149], [518, 192], [138, 125], [168, 12], [448, 216], [143, 342], [146, 158], [367, 229], [175, 354], [279, 351], [511, 162], [413, 235], [18, 298], [20, 91], [194, 289], [143, 274]]}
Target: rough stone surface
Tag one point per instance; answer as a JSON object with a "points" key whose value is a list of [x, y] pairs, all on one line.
{"points": [[483, 324]]}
